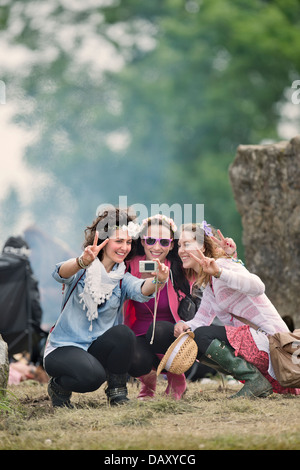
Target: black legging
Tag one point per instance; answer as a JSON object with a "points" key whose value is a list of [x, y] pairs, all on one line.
{"points": [[145, 353], [204, 335], [83, 371], [144, 358]]}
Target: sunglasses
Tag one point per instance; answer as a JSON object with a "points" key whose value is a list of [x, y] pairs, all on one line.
{"points": [[164, 242]]}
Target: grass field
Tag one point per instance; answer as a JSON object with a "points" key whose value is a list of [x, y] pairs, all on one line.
{"points": [[203, 420]]}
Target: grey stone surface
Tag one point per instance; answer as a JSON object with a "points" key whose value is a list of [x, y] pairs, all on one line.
{"points": [[266, 185], [4, 367]]}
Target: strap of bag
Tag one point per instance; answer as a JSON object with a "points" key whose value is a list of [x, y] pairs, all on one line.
{"points": [[120, 283], [72, 290], [249, 323], [244, 320]]}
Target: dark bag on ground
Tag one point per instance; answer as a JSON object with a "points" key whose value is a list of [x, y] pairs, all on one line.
{"points": [[20, 310]]}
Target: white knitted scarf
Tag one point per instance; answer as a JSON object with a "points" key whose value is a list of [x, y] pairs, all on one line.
{"points": [[98, 287]]}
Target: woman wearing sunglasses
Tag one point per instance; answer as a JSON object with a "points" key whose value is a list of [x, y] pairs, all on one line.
{"points": [[157, 241]]}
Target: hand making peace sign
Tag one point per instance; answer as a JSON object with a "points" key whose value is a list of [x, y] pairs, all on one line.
{"points": [[208, 265], [227, 244], [91, 251]]}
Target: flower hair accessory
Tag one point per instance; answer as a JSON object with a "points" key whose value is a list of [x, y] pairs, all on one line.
{"points": [[161, 217], [132, 228], [207, 228]]}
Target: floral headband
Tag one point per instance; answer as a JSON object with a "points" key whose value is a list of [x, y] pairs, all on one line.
{"points": [[132, 228], [162, 218], [206, 228], [135, 229]]}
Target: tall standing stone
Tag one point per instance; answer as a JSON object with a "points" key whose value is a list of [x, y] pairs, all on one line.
{"points": [[4, 367], [266, 186]]}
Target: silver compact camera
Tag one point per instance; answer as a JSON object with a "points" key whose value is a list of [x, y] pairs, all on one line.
{"points": [[148, 266]]}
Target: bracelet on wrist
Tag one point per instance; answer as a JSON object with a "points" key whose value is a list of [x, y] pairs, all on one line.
{"points": [[156, 281], [218, 274], [80, 263]]}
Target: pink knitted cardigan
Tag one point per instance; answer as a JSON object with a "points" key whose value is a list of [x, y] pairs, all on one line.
{"points": [[239, 292]]}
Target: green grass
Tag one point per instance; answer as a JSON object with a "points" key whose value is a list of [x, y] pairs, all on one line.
{"points": [[203, 420]]}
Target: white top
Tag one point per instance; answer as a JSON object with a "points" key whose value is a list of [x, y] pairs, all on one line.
{"points": [[239, 292]]}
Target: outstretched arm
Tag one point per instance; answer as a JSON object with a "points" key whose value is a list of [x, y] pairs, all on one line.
{"points": [[161, 276], [241, 280], [71, 267]]}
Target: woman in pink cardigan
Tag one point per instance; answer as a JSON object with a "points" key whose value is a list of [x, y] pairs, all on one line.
{"points": [[157, 241], [231, 291]]}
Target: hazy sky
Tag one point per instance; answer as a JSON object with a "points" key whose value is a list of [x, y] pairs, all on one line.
{"points": [[13, 139]]}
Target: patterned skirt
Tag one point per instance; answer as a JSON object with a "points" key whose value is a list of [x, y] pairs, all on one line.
{"points": [[242, 341]]}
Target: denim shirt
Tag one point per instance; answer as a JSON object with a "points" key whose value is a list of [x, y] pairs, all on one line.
{"points": [[72, 326]]}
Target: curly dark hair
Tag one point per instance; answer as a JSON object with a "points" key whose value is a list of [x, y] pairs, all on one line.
{"points": [[105, 224]]}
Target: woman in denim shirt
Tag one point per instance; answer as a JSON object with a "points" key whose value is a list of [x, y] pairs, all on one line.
{"points": [[88, 344]]}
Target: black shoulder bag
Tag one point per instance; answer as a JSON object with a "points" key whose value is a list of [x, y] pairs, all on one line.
{"points": [[189, 305]]}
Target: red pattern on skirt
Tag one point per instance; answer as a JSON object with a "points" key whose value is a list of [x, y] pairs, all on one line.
{"points": [[242, 341]]}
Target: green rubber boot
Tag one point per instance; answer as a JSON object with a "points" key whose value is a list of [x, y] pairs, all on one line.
{"points": [[209, 363], [256, 385]]}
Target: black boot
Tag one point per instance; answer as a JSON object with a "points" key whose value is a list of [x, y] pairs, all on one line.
{"points": [[58, 395], [116, 391]]}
